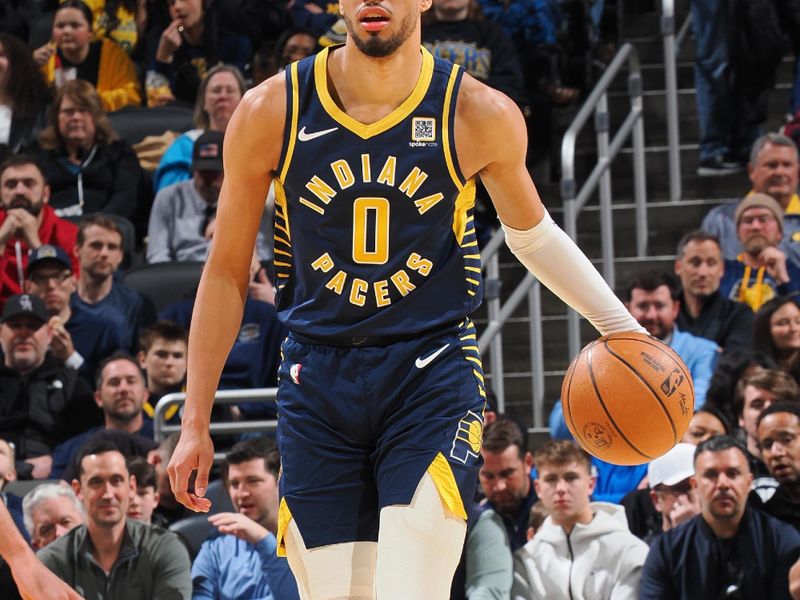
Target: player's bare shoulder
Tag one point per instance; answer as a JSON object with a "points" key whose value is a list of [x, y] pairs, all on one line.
{"points": [[257, 126], [488, 125]]}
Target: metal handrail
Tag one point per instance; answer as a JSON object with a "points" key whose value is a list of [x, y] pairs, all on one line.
{"points": [[161, 429], [672, 45], [600, 177], [491, 340]]}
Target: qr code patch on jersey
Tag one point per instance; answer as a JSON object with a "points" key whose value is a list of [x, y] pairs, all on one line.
{"points": [[423, 129]]}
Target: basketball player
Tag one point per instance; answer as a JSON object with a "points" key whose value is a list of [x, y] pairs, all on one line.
{"points": [[373, 148]]}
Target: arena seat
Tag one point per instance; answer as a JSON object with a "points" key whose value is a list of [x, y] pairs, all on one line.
{"points": [[193, 531], [196, 529], [134, 123], [165, 283]]}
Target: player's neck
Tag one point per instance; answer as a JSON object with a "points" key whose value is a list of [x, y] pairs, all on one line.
{"points": [[359, 80]]}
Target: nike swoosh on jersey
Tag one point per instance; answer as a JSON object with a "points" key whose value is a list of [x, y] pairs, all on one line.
{"points": [[421, 363], [307, 137]]}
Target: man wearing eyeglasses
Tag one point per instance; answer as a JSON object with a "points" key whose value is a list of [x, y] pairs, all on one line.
{"points": [[42, 401], [729, 550], [80, 339], [762, 271], [27, 221]]}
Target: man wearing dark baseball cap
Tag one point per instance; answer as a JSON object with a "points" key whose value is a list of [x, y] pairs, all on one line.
{"points": [[43, 400], [24, 305], [79, 338], [762, 271], [183, 215]]}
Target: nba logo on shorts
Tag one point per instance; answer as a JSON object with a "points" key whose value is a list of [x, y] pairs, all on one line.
{"points": [[467, 442], [294, 373]]}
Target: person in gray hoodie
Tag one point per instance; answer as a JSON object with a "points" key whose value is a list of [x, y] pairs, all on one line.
{"points": [[584, 550]]}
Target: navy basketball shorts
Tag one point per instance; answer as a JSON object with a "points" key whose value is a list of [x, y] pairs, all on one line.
{"points": [[359, 426]]}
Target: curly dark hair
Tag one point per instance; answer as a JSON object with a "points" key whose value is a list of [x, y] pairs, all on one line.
{"points": [[25, 86]]}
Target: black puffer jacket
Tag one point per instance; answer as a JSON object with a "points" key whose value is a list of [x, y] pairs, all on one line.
{"points": [[107, 180], [42, 408]]}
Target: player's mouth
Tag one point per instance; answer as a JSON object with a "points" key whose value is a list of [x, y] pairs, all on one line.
{"points": [[373, 18]]}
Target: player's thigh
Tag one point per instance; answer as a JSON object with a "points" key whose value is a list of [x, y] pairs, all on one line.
{"points": [[332, 572], [419, 547], [327, 482]]}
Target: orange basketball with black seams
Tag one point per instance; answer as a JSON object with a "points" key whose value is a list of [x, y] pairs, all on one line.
{"points": [[627, 398]]}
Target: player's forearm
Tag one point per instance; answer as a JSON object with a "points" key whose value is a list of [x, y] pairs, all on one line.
{"points": [[549, 253], [12, 545], [216, 320]]}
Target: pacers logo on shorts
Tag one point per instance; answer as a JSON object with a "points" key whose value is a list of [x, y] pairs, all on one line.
{"points": [[467, 442]]}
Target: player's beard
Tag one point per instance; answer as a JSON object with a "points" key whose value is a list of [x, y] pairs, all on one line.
{"points": [[374, 45]]}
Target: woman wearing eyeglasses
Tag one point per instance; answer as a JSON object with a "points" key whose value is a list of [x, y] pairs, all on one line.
{"points": [[88, 167]]}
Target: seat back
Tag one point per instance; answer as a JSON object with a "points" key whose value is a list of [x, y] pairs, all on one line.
{"points": [[165, 283], [193, 531], [134, 123]]}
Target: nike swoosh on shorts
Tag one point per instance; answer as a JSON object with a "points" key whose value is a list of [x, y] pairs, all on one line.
{"points": [[421, 363]]}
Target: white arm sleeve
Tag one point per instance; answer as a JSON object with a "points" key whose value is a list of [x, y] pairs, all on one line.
{"points": [[550, 254]]}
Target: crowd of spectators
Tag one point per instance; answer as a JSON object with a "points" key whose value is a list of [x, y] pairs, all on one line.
{"points": [[85, 358]]}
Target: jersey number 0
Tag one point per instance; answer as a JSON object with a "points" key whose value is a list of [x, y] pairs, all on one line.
{"points": [[371, 216]]}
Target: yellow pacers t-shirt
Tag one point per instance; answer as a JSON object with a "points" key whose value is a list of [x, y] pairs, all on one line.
{"points": [[125, 33]]}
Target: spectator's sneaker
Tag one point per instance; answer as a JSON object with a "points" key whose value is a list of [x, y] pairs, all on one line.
{"points": [[719, 165]]}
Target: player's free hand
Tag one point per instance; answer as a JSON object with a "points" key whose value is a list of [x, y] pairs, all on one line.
{"points": [[194, 452], [243, 527], [35, 582]]}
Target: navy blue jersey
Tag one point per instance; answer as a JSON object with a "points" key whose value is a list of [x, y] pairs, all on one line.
{"points": [[374, 232]]}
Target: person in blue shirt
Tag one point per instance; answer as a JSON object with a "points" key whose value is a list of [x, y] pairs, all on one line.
{"points": [[254, 358], [99, 292], [242, 562]]}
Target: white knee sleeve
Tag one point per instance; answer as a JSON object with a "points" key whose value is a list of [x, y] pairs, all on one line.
{"points": [[550, 254], [419, 547], [335, 572]]}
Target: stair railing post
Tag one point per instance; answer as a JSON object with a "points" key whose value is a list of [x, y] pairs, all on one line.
{"points": [[671, 94], [536, 352], [601, 127], [493, 288]]}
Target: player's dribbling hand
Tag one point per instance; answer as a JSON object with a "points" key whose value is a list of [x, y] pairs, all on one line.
{"points": [[241, 526], [194, 451]]}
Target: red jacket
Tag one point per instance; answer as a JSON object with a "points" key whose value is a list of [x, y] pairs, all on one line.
{"points": [[54, 231]]}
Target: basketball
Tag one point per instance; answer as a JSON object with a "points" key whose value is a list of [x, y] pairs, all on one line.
{"points": [[627, 398]]}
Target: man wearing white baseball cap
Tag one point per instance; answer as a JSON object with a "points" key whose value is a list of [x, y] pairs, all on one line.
{"points": [[672, 488]]}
